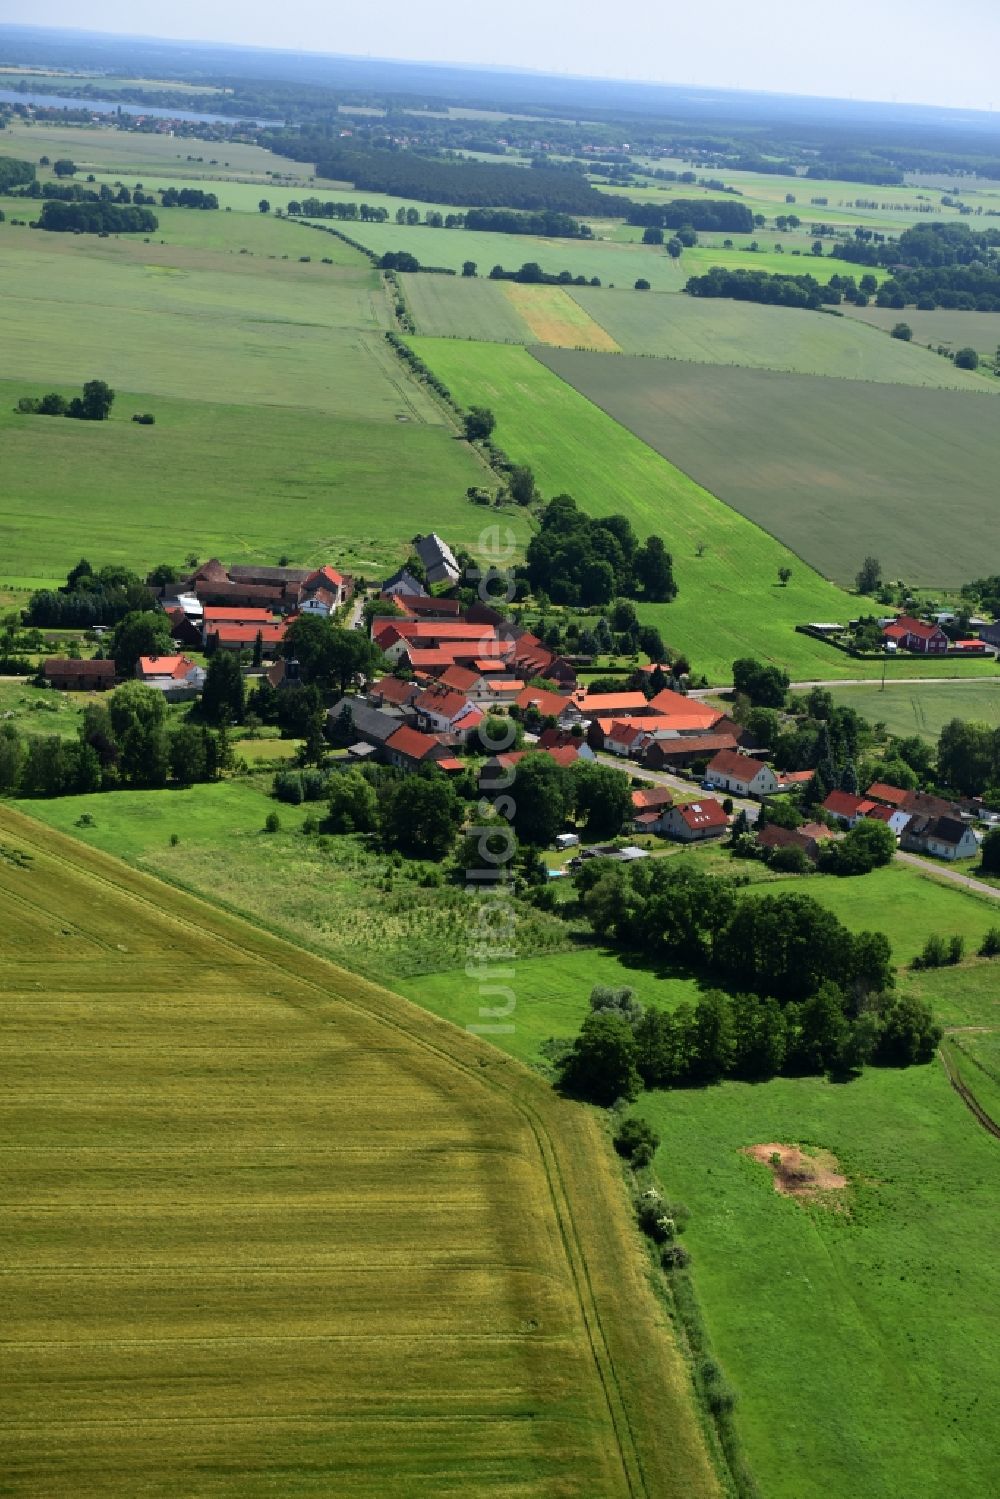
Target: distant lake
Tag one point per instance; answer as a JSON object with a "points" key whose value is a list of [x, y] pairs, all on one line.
{"points": [[109, 107]]}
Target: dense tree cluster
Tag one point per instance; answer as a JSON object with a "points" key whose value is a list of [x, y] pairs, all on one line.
{"points": [[330, 656], [187, 197], [764, 685], [760, 286], [14, 172], [579, 560], [623, 1047], [323, 208], [90, 598], [97, 218], [94, 405], [123, 742], [548, 223], [531, 274], [935, 265], [405, 174], [719, 217], [968, 758]]}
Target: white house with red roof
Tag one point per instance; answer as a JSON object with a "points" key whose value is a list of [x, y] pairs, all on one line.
{"points": [[441, 711], [175, 676], [848, 808], [324, 591], [741, 774]]}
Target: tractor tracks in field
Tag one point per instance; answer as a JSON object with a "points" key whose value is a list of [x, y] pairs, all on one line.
{"points": [[635, 1479], [967, 1096]]}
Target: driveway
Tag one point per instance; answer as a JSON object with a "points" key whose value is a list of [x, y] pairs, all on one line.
{"points": [[955, 876]]}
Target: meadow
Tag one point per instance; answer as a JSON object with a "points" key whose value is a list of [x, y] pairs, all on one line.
{"points": [[836, 469], [952, 330], [924, 710], [284, 424], [240, 482], [729, 599], [615, 264], [751, 335], [271, 1228], [377, 914], [98, 148], [860, 1335]]}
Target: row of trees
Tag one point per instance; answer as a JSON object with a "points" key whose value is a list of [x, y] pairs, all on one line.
{"points": [[531, 274], [14, 172], [725, 216], [578, 560], [548, 223], [760, 286], [94, 405], [90, 598], [97, 218], [187, 197], [623, 1047]]}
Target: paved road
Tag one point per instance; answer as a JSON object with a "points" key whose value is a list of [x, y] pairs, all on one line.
{"points": [[678, 783], [941, 871]]}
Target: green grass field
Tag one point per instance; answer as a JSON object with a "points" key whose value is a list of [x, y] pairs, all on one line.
{"points": [[375, 915], [701, 258], [98, 148], [924, 710], [268, 1228], [283, 422], [235, 481], [729, 600], [184, 322], [862, 1343], [718, 331], [953, 330], [837, 469], [616, 264]]}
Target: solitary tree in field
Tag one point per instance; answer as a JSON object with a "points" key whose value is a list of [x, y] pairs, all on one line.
{"points": [[264, 206], [784, 573], [64, 167], [869, 576], [967, 359], [469, 268], [903, 331]]}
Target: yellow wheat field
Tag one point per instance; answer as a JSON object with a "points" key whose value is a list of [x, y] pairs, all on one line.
{"points": [[269, 1230]]}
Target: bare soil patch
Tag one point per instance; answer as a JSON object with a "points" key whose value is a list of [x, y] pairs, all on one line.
{"points": [[798, 1174]]}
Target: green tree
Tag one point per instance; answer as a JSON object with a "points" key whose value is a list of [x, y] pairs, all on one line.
{"points": [[11, 758], [603, 797], [543, 796], [765, 686], [601, 1066], [264, 206], [869, 576], [188, 754], [420, 816], [134, 705], [909, 1035], [479, 423], [902, 331], [469, 268], [967, 756], [329, 655], [784, 574], [870, 845], [967, 359], [654, 571], [990, 852], [637, 1141], [521, 483], [140, 633], [353, 803], [98, 399], [63, 167], [714, 1037], [223, 696]]}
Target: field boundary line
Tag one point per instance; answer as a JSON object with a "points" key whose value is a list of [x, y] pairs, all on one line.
{"points": [[499, 1073]]}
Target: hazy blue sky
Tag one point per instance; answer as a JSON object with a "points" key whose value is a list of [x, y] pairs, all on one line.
{"points": [[919, 51]]}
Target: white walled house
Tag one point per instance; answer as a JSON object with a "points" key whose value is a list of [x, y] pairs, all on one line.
{"points": [[744, 776]]}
